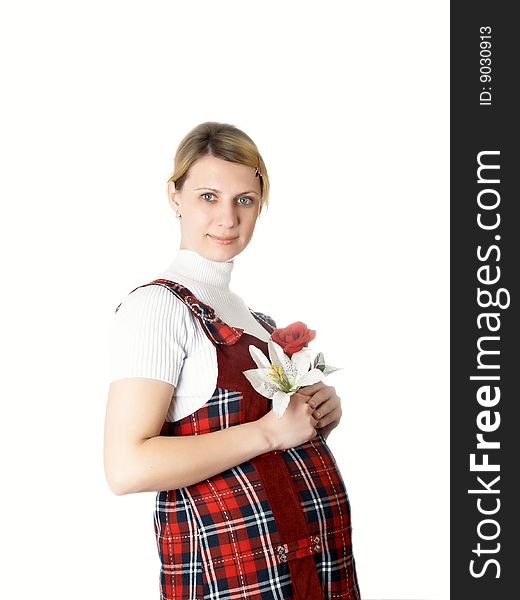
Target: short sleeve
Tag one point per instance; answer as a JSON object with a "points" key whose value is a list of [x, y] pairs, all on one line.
{"points": [[148, 336]]}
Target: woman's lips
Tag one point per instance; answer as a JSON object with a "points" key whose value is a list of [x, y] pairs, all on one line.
{"points": [[224, 241]]}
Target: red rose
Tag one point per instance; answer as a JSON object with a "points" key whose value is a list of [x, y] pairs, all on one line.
{"points": [[293, 337]]}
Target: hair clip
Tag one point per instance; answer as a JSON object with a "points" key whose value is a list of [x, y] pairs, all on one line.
{"points": [[257, 172]]}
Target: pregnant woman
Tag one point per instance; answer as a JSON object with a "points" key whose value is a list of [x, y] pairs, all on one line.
{"points": [[249, 504]]}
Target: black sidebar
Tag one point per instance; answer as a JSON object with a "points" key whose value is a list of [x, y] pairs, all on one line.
{"points": [[485, 269]]}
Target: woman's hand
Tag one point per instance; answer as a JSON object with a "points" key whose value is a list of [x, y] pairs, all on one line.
{"points": [[295, 427], [326, 405]]}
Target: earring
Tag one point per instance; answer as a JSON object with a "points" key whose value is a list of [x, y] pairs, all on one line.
{"points": [[178, 215]]}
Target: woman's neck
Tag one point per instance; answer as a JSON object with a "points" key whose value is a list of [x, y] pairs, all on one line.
{"points": [[190, 264]]}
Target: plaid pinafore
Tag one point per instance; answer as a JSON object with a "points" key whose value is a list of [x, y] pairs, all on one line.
{"points": [[274, 527]]}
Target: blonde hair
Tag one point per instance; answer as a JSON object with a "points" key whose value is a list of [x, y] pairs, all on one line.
{"points": [[221, 140]]}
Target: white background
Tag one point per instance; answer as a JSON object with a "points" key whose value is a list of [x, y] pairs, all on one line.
{"points": [[348, 104]]}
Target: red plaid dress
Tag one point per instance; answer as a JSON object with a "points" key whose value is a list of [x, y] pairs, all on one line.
{"points": [[274, 527]]}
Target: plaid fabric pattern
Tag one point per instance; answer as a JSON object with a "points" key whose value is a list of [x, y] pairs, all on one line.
{"points": [[275, 527]]}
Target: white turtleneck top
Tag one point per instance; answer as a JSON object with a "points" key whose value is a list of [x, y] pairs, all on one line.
{"points": [[155, 335]]}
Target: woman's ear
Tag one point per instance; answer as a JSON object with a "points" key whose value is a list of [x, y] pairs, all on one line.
{"points": [[172, 196]]}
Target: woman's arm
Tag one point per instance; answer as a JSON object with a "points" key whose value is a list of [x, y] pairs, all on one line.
{"points": [[138, 459]]}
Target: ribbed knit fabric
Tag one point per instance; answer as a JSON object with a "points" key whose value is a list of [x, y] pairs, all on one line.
{"points": [[154, 334]]}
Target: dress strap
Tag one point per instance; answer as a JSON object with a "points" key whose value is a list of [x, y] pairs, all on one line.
{"points": [[265, 320], [217, 330]]}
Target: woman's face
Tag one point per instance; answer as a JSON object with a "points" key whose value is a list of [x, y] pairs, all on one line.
{"points": [[219, 199]]}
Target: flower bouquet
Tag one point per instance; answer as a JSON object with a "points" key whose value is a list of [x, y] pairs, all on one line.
{"points": [[289, 366]]}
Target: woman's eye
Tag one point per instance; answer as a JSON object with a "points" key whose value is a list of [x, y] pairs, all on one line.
{"points": [[249, 200]]}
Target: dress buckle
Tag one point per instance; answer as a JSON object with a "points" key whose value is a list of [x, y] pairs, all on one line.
{"points": [[298, 548]]}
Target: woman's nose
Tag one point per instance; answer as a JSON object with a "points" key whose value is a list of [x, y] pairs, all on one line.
{"points": [[227, 216]]}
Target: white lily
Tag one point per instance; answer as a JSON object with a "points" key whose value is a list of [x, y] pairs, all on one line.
{"points": [[281, 376]]}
